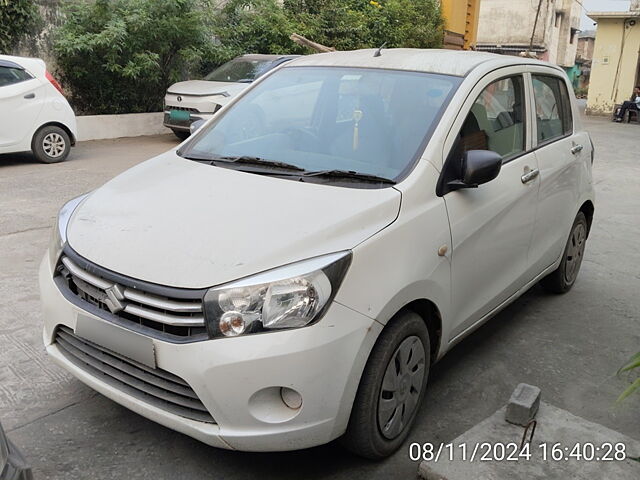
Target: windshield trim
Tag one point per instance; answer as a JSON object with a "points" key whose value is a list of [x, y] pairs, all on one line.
{"points": [[456, 81]]}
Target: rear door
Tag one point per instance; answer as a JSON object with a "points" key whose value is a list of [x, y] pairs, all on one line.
{"points": [[560, 151], [492, 225], [20, 103]]}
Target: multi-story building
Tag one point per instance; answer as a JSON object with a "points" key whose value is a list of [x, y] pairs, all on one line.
{"points": [[547, 29]]}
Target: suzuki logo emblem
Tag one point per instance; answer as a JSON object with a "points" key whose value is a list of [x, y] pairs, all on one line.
{"points": [[115, 298]]}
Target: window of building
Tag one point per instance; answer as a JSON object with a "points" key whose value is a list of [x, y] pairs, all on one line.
{"points": [[574, 33], [553, 108], [558, 19]]}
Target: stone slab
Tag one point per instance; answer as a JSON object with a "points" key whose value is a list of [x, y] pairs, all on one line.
{"points": [[555, 427]]}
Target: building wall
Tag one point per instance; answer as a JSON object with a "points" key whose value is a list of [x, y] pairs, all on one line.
{"points": [[613, 75], [585, 48], [461, 21], [509, 23]]}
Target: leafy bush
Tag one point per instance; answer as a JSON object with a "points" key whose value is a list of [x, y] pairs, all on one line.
{"points": [[119, 56], [632, 364], [581, 92], [263, 26], [17, 18]]}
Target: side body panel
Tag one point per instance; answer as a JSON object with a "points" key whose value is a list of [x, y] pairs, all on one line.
{"points": [[565, 180]]}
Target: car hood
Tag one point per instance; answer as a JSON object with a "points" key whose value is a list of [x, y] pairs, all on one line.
{"points": [[205, 87], [180, 223]]}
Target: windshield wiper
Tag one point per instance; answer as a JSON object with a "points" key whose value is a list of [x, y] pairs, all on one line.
{"points": [[244, 160], [349, 174]]}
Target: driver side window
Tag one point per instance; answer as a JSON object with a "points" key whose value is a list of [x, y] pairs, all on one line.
{"points": [[496, 119]]}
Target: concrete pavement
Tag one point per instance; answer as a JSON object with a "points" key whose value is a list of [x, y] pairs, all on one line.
{"points": [[569, 345]]}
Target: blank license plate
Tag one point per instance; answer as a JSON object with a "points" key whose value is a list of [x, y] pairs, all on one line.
{"points": [[120, 340], [179, 115]]}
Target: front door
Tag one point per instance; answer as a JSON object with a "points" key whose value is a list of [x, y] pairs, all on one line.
{"points": [[19, 105], [492, 225]]}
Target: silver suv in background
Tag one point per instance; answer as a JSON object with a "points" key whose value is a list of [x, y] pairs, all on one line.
{"points": [[187, 102]]}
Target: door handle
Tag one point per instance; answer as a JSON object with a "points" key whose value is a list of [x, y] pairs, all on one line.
{"points": [[576, 148], [29, 96], [529, 175]]}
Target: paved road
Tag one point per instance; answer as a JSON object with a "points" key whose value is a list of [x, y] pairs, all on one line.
{"points": [[568, 345]]}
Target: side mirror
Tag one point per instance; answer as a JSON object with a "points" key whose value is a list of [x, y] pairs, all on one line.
{"points": [[478, 167], [195, 126]]}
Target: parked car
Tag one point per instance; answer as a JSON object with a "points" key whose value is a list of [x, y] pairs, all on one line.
{"points": [[36, 116], [299, 281], [193, 100]]}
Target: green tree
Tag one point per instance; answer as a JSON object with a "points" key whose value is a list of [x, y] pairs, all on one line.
{"points": [[119, 56], [17, 18], [264, 26]]}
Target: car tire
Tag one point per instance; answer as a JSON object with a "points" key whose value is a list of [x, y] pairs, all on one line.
{"points": [[181, 134], [51, 144], [390, 394], [562, 278]]}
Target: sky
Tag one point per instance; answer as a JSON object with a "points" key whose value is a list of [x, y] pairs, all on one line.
{"points": [[600, 6]]}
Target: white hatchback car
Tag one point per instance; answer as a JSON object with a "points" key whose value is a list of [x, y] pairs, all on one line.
{"points": [[193, 100], [36, 116], [278, 289]]}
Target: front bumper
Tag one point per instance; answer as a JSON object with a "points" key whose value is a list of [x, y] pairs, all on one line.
{"points": [[235, 377], [184, 125]]}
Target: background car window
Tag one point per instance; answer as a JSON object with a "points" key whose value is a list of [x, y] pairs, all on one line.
{"points": [[9, 76], [239, 70], [363, 120], [496, 119], [553, 108]]}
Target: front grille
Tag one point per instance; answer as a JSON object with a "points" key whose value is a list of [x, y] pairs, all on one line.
{"points": [[180, 317], [150, 385], [184, 109]]}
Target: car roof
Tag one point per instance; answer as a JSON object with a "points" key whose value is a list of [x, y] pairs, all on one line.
{"points": [[447, 62], [265, 57], [35, 66]]}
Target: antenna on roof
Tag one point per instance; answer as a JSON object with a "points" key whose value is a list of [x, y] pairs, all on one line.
{"points": [[379, 50]]}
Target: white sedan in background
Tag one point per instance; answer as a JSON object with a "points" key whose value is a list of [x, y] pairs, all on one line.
{"points": [[35, 115], [193, 100]]}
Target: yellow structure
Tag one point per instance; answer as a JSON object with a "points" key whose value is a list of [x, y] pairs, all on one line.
{"points": [[461, 23], [615, 68]]}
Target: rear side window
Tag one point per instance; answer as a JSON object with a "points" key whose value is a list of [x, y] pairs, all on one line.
{"points": [[553, 108], [9, 76], [496, 119]]}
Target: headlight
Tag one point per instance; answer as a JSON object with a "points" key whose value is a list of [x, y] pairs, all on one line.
{"points": [[292, 296], [59, 233]]}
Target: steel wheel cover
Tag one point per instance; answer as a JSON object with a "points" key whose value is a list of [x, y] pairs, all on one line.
{"points": [[401, 387]]}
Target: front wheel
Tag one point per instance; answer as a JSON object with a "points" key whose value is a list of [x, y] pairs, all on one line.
{"points": [[181, 134], [51, 144], [562, 279], [391, 389]]}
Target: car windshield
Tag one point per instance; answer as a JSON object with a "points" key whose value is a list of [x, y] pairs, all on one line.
{"points": [[239, 70], [353, 120]]}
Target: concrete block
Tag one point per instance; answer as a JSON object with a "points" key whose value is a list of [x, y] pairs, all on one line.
{"points": [[523, 404]]}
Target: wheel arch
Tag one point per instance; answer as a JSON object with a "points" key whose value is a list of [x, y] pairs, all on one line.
{"points": [[587, 208], [56, 124], [432, 318]]}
